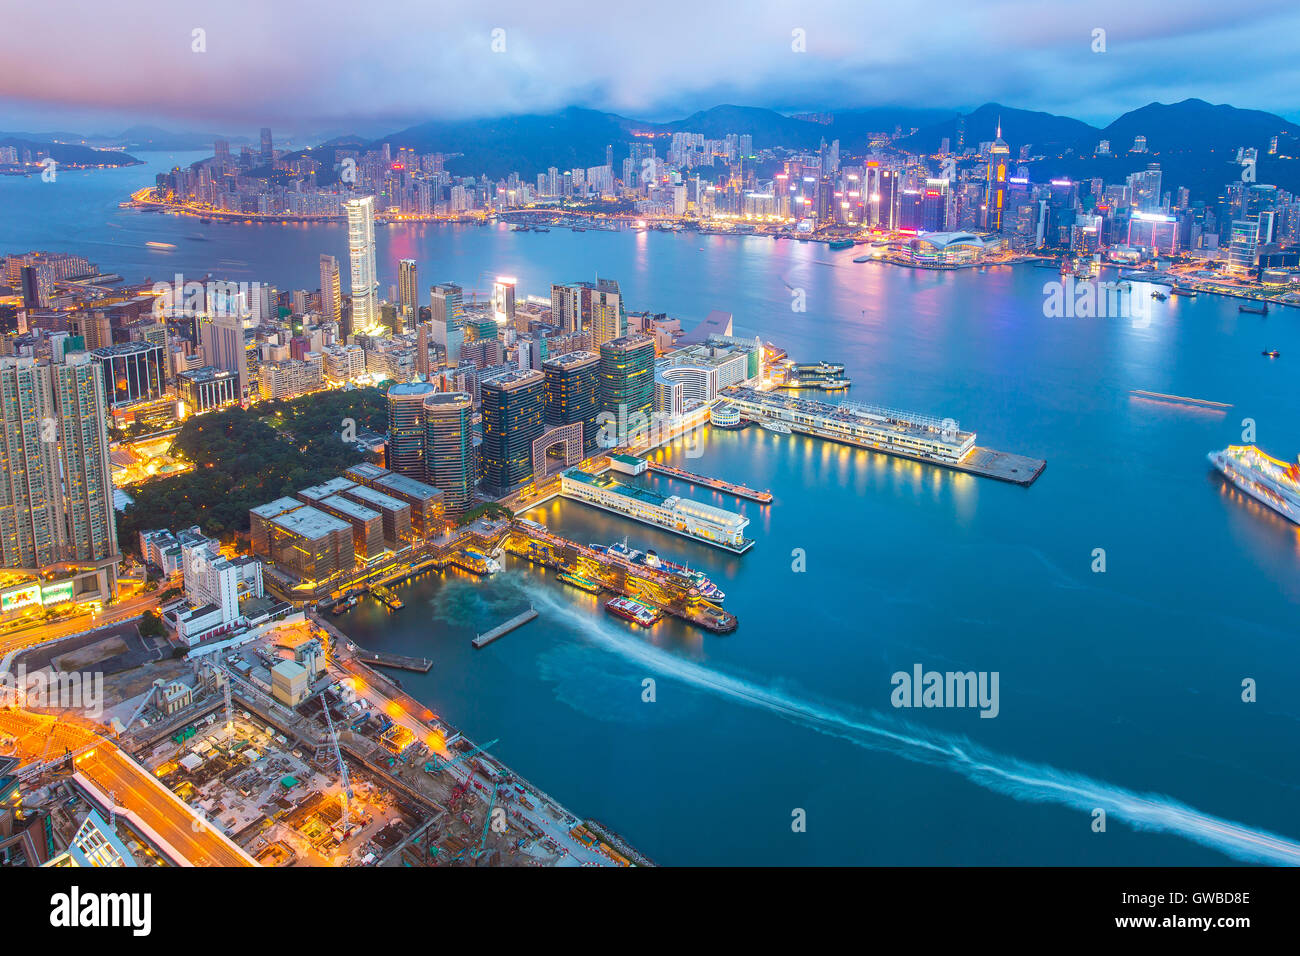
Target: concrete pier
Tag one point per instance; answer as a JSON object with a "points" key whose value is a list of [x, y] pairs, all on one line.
{"points": [[519, 620], [420, 664]]}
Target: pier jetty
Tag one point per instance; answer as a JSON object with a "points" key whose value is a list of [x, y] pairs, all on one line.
{"points": [[400, 661], [717, 484], [519, 620]]}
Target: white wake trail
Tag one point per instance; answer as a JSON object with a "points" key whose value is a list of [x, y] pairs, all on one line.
{"points": [[1031, 782]]}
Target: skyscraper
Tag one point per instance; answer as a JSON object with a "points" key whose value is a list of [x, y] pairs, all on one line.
{"points": [[408, 293], [503, 301], [449, 448], [361, 256], [222, 341], [995, 183], [513, 411], [405, 453], [331, 293], [423, 368], [447, 319], [56, 494], [627, 377], [268, 153], [573, 392]]}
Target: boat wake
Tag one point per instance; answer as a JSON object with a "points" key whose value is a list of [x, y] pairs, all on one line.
{"points": [[1022, 780]]}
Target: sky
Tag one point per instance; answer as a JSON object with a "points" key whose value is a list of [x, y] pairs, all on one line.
{"points": [[340, 66]]}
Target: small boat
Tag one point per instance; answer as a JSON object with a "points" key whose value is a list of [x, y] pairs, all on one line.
{"points": [[1274, 353], [630, 609], [160, 245], [1254, 310], [1159, 295], [1189, 293], [580, 582]]}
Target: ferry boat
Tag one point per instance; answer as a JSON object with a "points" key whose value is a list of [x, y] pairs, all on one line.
{"points": [[649, 559], [578, 581], [1267, 480], [838, 244], [1254, 310], [630, 609], [781, 428]]}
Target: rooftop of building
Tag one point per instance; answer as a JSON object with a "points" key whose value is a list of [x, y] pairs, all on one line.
{"points": [[411, 390], [205, 373], [350, 508], [517, 378], [571, 360], [277, 507], [448, 398], [716, 322], [327, 488], [408, 486], [309, 522], [626, 343], [376, 498]]}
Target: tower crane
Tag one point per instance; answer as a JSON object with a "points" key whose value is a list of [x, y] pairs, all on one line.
{"points": [[342, 765]]}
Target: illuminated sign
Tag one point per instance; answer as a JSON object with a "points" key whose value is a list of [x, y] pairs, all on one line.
{"points": [[21, 597], [56, 593]]}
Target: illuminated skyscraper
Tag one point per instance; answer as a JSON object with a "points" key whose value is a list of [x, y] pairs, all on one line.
{"points": [[627, 376], [406, 428], [449, 460], [513, 408], [331, 293], [447, 319], [503, 301], [573, 392], [408, 293], [995, 183], [361, 255], [56, 494]]}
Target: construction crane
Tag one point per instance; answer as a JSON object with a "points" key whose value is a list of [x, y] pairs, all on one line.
{"points": [[442, 763], [338, 756], [487, 824]]}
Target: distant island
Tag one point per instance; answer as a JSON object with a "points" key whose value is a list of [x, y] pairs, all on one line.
{"points": [[20, 156]]}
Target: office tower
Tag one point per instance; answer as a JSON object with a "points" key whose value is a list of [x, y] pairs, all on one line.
{"points": [[503, 301], [268, 154], [608, 317], [573, 392], [995, 184], [513, 407], [56, 495], [1145, 188], [627, 376], [937, 206], [449, 460], [571, 306], [422, 363], [331, 293], [132, 372], [94, 328], [447, 320], [361, 256], [408, 293], [222, 342], [406, 428], [221, 154]]}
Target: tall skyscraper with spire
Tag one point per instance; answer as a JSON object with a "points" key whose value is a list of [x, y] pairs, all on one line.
{"points": [[361, 256], [995, 183]]}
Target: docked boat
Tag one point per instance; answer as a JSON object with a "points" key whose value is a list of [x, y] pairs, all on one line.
{"points": [[781, 428], [580, 582], [630, 609], [344, 606], [1266, 479], [1254, 310], [648, 559], [1189, 293], [838, 244]]}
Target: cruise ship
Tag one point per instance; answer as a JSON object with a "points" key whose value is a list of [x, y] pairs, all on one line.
{"points": [[1272, 482], [649, 559]]}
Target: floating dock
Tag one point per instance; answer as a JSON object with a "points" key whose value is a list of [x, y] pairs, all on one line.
{"points": [[399, 661], [717, 484], [519, 620]]}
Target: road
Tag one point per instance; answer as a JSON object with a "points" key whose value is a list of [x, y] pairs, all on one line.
{"points": [[131, 786], [39, 634]]}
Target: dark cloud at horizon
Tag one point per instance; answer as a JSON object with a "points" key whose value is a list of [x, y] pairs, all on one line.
{"points": [[377, 67]]}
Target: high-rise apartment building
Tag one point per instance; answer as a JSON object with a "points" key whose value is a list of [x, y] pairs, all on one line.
{"points": [[627, 376], [331, 293], [408, 293]]}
